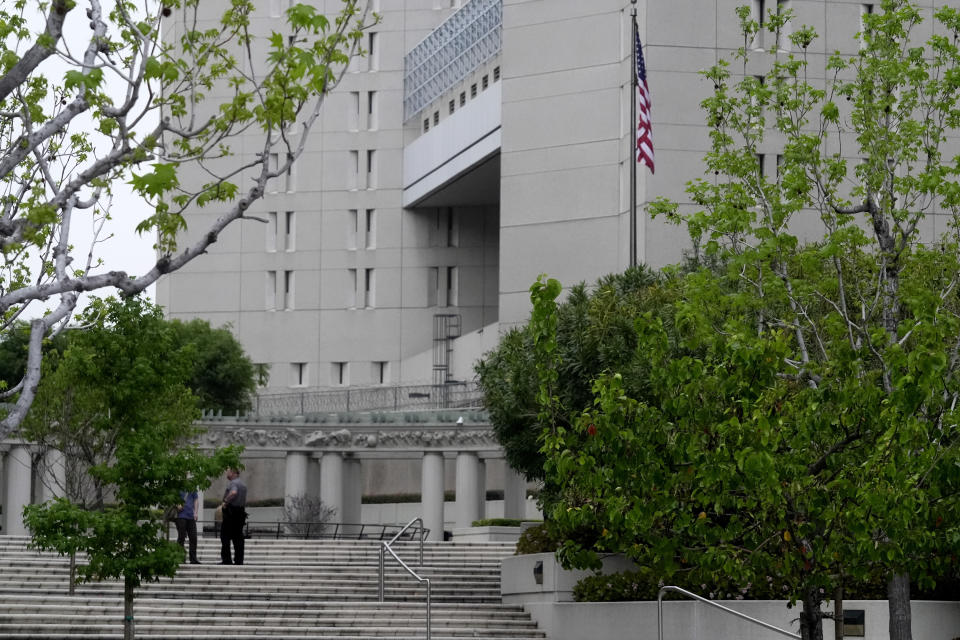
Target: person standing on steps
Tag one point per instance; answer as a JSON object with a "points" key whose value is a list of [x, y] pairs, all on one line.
{"points": [[186, 522], [234, 517]]}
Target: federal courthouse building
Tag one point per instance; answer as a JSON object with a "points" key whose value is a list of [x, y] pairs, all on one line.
{"points": [[478, 144]]}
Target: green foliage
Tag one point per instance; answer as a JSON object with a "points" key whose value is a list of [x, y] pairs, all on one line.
{"points": [[536, 539], [595, 334], [498, 522], [645, 584], [133, 409], [14, 343], [223, 378]]}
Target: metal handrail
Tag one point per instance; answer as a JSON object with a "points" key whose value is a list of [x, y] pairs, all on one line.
{"points": [[684, 592], [318, 530], [385, 547]]}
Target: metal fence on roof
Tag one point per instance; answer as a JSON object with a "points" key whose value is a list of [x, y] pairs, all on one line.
{"points": [[452, 395], [466, 40]]}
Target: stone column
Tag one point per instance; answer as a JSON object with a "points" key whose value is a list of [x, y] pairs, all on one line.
{"points": [[331, 483], [468, 491], [482, 489], [352, 495], [18, 469], [313, 475], [514, 493], [295, 483], [53, 476], [431, 494]]}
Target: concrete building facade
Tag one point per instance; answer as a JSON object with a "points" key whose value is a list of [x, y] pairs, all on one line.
{"points": [[478, 144]]}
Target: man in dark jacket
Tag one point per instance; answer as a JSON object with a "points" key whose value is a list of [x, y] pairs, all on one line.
{"points": [[234, 517]]}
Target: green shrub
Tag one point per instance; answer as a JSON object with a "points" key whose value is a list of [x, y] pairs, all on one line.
{"points": [[644, 585], [500, 522], [536, 540], [496, 522], [617, 587]]}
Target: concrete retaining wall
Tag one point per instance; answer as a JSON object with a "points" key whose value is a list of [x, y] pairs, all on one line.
{"points": [[550, 604], [698, 621]]}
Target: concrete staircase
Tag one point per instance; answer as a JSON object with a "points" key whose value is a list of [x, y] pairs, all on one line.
{"points": [[288, 589]]}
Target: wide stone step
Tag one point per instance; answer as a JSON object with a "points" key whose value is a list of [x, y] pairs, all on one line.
{"points": [[372, 552], [169, 604], [40, 620], [21, 543], [88, 631], [201, 634], [281, 561], [465, 594], [254, 571], [271, 618], [35, 615]]}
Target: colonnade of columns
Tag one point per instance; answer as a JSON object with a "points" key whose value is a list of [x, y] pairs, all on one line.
{"points": [[340, 480], [341, 487]]}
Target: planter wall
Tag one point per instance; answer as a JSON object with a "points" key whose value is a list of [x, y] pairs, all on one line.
{"points": [[697, 621], [519, 584], [550, 602], [487, 534]]}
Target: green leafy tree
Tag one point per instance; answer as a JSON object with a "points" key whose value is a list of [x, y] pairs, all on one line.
{"points": [[71, 412], [153, 94], [134, 414], [223, 377], [728, 476], [595, 334]]}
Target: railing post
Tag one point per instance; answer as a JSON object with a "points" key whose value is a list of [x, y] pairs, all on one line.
{"points": [[428, 608], [380, 591], [660, 615], [421, 549]]}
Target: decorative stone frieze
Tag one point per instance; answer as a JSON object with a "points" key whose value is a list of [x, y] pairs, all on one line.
{"points": [[444, 431], [268, 438]]}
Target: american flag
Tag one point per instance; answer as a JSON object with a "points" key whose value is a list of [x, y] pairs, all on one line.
{"points": [[644, 126]]}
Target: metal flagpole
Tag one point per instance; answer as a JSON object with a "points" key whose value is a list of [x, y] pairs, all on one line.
{"points": [[633, 135]]}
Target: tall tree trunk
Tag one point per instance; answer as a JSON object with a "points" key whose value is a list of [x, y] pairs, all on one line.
{"points": [[811, 618], [838, 614], [73, 573], [898, 597], [128, 633]]}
